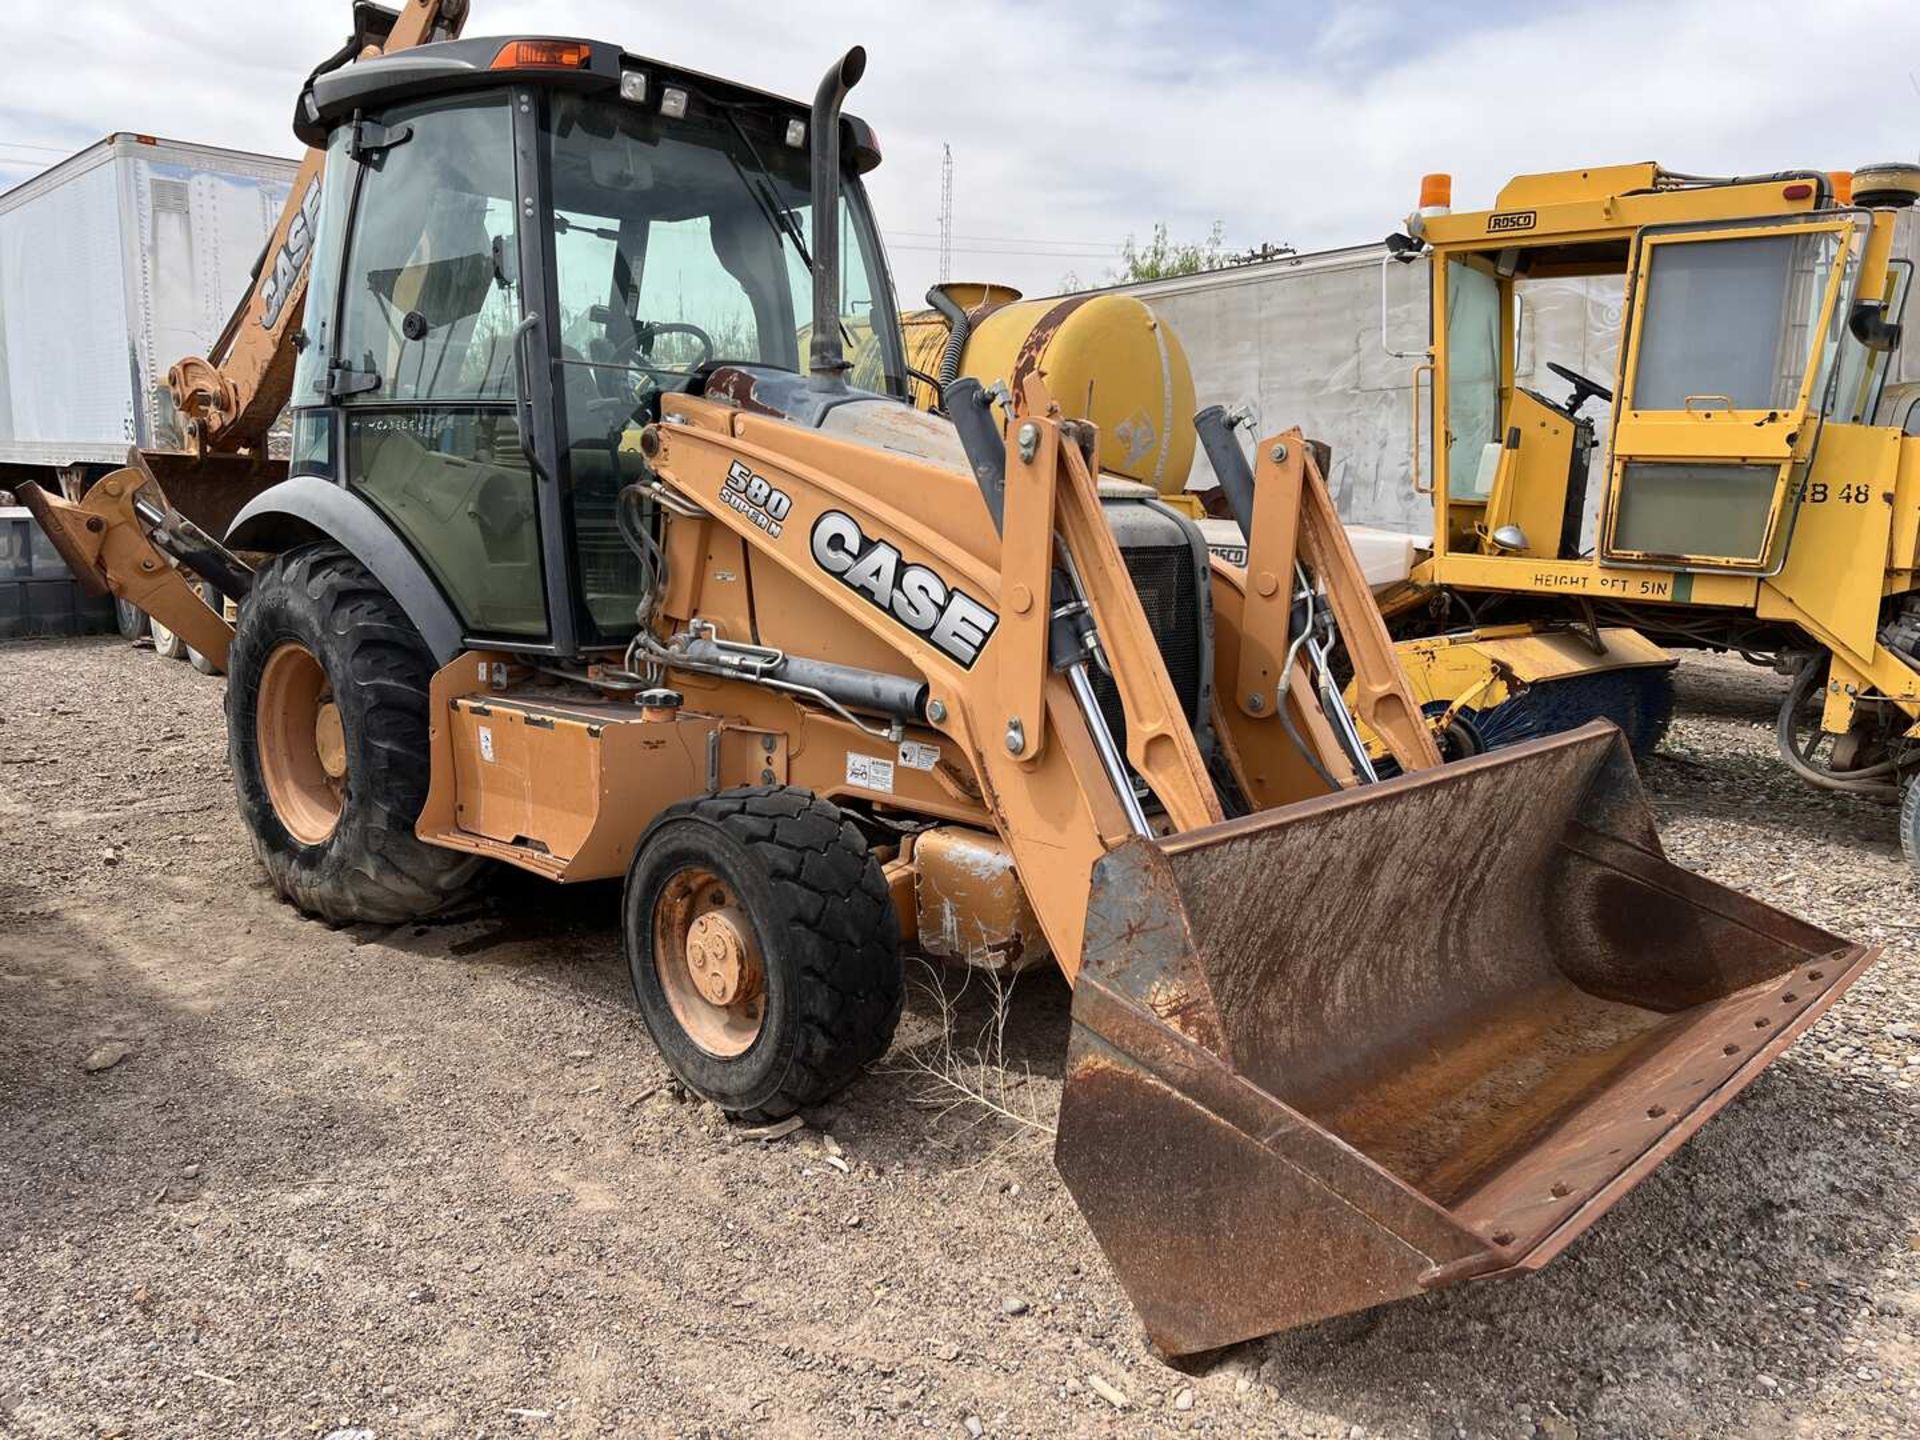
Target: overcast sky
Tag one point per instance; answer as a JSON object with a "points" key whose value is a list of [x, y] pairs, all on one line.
{"points": [[1074, 123]]}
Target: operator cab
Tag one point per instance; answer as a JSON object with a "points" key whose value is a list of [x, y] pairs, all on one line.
{"points": [[1527, 451], [520, 246], [1745, 316]]}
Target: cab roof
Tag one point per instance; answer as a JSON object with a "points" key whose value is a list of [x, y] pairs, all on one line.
{"points": [[479, 62], [1619, 199]]}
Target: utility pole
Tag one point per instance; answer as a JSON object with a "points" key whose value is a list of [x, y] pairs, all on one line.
{"points": [[946, 213]]}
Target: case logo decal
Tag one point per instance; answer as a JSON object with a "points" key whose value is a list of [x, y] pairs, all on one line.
{"points": [[291, 258], [950, 619]]}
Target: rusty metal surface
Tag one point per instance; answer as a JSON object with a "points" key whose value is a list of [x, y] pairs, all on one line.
{"points": [[1442, 1024], [968, 903], [736, 385], [1034, 348], [209, 489]]}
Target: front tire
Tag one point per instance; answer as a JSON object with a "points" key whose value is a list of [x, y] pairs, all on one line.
{"points": [[327, 721], [763, 948], [215, 602]]}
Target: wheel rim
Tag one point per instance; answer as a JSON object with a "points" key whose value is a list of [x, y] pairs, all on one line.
{"points": [[709, 962], [303, 751]]}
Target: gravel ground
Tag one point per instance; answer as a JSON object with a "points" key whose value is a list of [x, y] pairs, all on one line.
{"points": [[262, 1177]]}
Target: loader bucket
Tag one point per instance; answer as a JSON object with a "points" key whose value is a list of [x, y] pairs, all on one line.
{"points": [[1402, 1036]]}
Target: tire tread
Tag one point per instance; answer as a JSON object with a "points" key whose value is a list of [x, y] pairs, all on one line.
{"points": [[377, 870], [843, 933]]}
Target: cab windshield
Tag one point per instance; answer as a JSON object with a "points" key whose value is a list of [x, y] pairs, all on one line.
{"points": [[681, 244]]}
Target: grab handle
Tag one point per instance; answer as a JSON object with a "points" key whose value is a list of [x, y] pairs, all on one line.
{"points": [[1418, 488]]}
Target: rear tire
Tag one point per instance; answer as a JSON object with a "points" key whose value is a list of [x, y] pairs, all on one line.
{"points": [[130, 620], [1910, 824], [331, 798], [787, 888]]}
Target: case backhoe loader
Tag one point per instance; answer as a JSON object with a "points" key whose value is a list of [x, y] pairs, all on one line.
{"points": [[586, 568]]}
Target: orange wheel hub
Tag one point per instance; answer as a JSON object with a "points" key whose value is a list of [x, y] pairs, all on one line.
{"points": [[303, 748], [709, 962]]}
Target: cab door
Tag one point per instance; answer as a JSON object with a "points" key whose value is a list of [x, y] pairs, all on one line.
{"points": [[1732, 335], [422, 363]]}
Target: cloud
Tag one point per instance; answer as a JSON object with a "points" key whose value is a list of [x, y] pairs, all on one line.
{"points": [[1075, 124]]}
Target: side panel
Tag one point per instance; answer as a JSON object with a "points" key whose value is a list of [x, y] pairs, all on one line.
{"points": [[1838, 557], [66, 386]]}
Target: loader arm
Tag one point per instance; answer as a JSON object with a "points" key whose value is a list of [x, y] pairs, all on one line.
{"points": [[231, 396], [1044, 783], [1293, 532]]}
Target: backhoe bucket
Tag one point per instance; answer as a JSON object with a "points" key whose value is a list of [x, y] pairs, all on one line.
{"points": [[1401, 1036]]}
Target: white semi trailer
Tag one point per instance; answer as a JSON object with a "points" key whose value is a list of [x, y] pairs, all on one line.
{"points": [[115, 263]]}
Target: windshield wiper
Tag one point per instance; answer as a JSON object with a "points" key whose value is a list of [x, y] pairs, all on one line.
{"points": [[778, 215], [768, 200]]}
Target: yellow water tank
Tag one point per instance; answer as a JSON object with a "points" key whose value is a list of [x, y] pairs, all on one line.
{"points": [[1106, 358]]}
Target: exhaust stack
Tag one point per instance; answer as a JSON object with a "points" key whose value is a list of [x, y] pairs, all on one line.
{"points": [[827, 360]]}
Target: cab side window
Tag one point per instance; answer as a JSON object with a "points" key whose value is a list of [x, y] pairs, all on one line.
{"points": [[430, 310]]}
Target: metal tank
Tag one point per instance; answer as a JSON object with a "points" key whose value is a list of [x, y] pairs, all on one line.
{"points": [[1107, 358]]}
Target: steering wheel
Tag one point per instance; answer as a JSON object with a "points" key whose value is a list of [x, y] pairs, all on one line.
{"points": [[1583, 388], [647, 331]]}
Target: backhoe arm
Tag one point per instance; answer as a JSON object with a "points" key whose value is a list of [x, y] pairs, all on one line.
{"points": [[121, 540], [232, 396]]}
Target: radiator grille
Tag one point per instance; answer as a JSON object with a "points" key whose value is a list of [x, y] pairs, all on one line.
{"points": [[1169, 591]]}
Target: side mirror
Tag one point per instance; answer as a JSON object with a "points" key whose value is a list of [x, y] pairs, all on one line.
{"points": [[1404, 248], [1869, 325]]}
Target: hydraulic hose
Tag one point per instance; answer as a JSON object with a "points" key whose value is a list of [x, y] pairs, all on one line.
{"points": [[959, 329], [1300, 744], [1868, 780]]}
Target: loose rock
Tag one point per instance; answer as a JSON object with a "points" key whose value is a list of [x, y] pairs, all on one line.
{"points": [[105, 1057]]}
